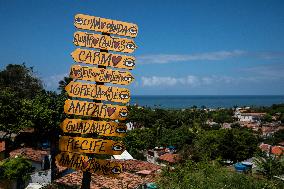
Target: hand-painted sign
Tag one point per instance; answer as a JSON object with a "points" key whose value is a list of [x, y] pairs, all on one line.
{"points": [[84, 163], [90, 145], [98, 92], [77, 107], [103, 128], [101, 75], [98, 24], [104, 42], [103, 59]]}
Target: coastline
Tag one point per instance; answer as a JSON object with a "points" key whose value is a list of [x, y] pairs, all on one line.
{"points": [[208, 101]]}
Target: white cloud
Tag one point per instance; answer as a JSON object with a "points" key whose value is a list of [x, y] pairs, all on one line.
{"points": [[209, 56], [193, 81], [51, 82], [189, 80], [168, 58]]}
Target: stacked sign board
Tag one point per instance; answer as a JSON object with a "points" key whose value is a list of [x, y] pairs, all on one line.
{"points": [[108, 116]]}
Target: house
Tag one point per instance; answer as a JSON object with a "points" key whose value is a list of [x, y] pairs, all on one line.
{"points": [[38, 158], [124, 156], [2, 149], [136, 173], [169, 158], [269, 149], [153, 154], [250, 117]]}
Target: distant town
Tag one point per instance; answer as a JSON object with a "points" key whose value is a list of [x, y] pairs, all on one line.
{"points": [[162, 145]]}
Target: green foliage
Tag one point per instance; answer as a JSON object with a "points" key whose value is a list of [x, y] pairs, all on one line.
{"points": [[204, 175], [16, 168], [226, 144], [21, 80], [223, 116], [269, 165], [277, 137]]}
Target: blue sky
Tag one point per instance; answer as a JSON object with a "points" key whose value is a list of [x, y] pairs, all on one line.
{"points": [[186, 47]]}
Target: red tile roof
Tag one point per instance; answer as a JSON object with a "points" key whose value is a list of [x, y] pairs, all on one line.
{"points": [[127, 178], [124, 180], [265, 147], [171, 158], [277, 150], [29, 153], [2, 146], [134, 165]]}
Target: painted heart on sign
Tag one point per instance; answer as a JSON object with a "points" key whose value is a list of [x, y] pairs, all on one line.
{"points": [[85, 164], [115, 44], [110, 110], [116, 60], [95, 41]]}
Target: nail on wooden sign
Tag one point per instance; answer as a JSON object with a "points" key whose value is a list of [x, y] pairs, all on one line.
{"points": [[90, 145], [103, 128], [105, 42], [101, 75], [103, 59], [84, 163], [98, 24], [98, 92], [85, 108]]}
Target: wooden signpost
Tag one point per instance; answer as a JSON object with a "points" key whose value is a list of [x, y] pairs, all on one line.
{"points": [[84, 163], [84, 39], [90, 145], [101, 75], [103, 128], [98, 92], [93, 109], [82, 151], [103, 59], [104, 25]]}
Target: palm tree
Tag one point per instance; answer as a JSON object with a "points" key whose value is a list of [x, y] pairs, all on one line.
{"points": [[63, 83]]}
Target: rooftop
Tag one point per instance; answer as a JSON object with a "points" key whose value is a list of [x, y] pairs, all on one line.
{"points": [[29, 153], [171, 158]]}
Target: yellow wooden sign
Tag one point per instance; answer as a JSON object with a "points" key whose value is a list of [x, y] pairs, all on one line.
{"points": [[90, 145], [98, 24], [98, 92], [101, 75], [103, 58], [103, 128], [92, 165], [84, 108], [105, 42]]}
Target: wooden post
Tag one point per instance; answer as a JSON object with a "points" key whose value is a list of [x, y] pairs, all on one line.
{"points": [[87, 176]]}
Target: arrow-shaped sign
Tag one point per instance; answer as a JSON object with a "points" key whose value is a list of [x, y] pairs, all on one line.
{"points": [[90, 145], [103, 58], [84, 108], [84, 163], [98, 24], [105, 42], [98, 92], [101, 75], [103, 128]]}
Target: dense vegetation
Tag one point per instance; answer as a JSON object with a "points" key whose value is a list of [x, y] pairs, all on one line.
{"points": [[196, 133]]}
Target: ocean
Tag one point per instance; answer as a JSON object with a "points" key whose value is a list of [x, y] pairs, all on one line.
{"points": [[209, 101]]}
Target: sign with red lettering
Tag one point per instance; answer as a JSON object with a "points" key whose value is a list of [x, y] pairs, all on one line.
{"points": [[90, 145], [101, 75], [103, 128], [84, 163], [104, 25], [84, 108], [103, 59], [104, 42], [98, 92]]}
